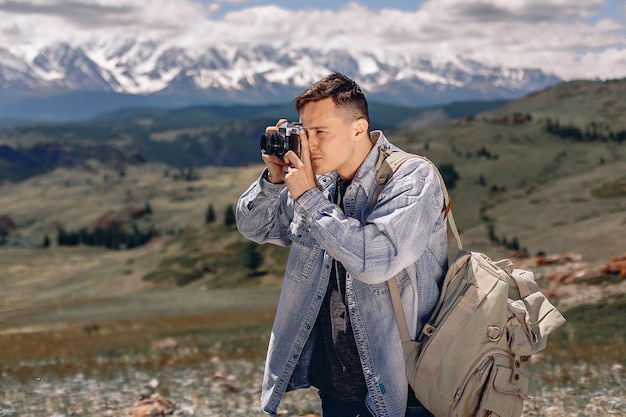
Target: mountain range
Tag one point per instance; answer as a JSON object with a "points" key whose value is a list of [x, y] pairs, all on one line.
{"points": [[63, 81]]}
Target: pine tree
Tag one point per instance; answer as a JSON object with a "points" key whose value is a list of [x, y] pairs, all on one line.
{"points": [[449, 174], [229, 215], [61, 236], [492, 233], [210, 215], [251, 258]]}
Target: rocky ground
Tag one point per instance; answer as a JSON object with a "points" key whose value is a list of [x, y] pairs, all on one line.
{"points": [[201, 371], [231, 387]]}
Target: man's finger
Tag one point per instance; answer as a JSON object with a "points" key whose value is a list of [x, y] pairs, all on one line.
{"points": [[304, 147], [272, 159], [275, 128], [292, 160]]}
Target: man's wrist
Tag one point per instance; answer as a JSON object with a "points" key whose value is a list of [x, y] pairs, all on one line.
{"points": [[267, 176]]}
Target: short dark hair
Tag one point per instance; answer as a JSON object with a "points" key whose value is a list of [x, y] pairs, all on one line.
{"points": [[345, 93]]}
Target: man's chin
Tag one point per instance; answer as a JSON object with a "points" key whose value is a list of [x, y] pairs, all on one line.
{"points": [[320, 170]]}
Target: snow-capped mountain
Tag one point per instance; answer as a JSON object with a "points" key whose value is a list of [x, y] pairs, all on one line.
{"points": [[253, 74]]}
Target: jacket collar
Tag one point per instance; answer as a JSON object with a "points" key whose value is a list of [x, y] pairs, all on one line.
{"points": [[366, 174]]}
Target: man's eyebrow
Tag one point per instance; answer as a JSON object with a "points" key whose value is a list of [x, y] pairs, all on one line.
{"points": [[321, 127]]}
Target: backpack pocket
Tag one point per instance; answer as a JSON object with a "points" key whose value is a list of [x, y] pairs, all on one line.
{"points": [[505, 392], [496, 387], [519, 336], [534, 318], [468, 397]]}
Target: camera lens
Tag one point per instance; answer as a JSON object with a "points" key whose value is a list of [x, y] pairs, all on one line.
{"points": [[274, 144], [264, 143]]}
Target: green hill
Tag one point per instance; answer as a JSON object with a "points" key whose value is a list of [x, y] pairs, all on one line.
{"points": [[552, 189]]}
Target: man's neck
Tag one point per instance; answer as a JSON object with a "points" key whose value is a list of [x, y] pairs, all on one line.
{"points": [[361, 151]]}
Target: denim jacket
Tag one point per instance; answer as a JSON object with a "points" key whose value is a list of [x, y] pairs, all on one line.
{"points": [[403, 235]]}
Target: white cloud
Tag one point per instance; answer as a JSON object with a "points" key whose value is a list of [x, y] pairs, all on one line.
{"points": [[499, 11], [565, 37], [45, 21]]}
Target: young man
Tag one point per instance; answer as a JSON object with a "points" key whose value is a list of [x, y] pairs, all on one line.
{"points": [[335, 327]]}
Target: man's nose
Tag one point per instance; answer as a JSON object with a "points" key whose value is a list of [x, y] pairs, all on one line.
{"points": [[312, 142]]}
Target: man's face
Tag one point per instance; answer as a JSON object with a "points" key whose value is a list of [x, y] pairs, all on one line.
{"points": [[331, 139]]}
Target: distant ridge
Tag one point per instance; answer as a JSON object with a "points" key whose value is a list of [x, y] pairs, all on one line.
{"points": [[193, 136]]}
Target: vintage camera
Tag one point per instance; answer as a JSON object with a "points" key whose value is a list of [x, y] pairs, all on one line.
{"points": [[286, 139]]}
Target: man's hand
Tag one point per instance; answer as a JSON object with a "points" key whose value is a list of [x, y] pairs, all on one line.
{"points": [[298, 172], [274, 164]]}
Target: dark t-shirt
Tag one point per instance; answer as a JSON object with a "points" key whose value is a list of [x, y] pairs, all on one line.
{"points": [[335, 365]]}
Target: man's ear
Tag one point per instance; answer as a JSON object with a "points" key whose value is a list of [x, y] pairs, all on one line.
{"points": [[360, 126]]}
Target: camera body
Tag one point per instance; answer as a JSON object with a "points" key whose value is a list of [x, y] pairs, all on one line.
{"points": [[286, 139]]}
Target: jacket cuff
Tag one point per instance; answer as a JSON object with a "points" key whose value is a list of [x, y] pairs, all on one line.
{"points": [[269, 188], [310, 202]]}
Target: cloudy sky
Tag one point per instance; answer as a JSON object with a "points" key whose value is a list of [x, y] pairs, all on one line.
{"points": [[570, 38]]}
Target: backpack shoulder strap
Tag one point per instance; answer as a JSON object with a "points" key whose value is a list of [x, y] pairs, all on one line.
{"points": [[388, 163]]}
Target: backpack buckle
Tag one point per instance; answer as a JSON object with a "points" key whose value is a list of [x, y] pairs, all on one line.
{"points": [[429, 330]]}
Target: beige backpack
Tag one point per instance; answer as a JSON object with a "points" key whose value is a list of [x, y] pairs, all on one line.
{"points": [[489, 320]]}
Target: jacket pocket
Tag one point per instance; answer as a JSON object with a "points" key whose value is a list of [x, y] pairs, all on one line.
{"points": [[299, 233], [304, 252], [301, 262]]}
